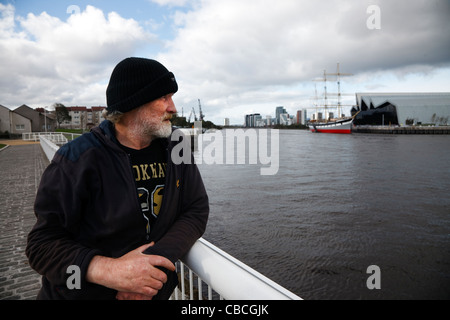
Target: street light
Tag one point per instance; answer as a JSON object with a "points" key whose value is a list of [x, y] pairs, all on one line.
{"points": [[45, 119]]}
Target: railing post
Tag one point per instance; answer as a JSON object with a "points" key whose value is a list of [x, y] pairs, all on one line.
{"points": [[183, 291], [191, 285]]}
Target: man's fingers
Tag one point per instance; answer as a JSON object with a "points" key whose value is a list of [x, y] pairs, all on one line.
{"points": [[144, 247], [160, 261], [158, 279]]}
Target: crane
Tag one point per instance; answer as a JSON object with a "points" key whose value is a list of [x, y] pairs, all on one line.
{"points": [[202, 116], [192, 112]]}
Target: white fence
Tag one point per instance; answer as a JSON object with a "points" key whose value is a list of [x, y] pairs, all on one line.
{"points": [[228, 277], [35, 136], [50, 141], [49, 146]]}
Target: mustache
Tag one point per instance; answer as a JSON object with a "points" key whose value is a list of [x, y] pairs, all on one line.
{"points": [[167, 117]]}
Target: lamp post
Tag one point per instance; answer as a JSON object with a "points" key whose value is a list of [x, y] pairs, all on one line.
{"points": [[45, 119]]}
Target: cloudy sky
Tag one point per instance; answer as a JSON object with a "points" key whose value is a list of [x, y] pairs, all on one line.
{"points": [[237, 56]]}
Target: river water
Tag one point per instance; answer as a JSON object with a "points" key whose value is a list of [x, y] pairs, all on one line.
{"points": [[337, 205]]}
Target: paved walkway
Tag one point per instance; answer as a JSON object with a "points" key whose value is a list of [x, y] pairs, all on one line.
{"points": [[21, 167]]}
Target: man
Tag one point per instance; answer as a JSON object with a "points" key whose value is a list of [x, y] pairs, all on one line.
{"points": [[112, 204]]}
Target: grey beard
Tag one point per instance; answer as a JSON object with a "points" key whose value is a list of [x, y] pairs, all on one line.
{"points": [[164, 130]]}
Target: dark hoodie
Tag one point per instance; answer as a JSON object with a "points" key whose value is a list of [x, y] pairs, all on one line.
{"points": [[87, 205]]}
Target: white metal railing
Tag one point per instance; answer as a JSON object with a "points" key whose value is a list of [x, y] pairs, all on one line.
{"points": [[58, 139], [35, 136], [228, 277], [49, 147]]}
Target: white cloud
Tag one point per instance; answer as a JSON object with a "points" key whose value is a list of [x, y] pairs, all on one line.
{"points": [[50, 60]]}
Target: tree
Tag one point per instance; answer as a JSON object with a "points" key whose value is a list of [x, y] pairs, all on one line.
{"points": [[179, 121], [62, 114]]}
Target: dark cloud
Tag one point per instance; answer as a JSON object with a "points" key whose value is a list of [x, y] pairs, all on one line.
{"points": [[258, 45]]}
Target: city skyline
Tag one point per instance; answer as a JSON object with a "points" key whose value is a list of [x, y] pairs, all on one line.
{"points": [[282, 117]]}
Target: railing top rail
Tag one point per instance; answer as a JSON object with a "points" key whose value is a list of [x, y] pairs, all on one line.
{"points": [[231, 278], [35, 136]]}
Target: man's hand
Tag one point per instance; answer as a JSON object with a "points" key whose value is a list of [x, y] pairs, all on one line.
{"points": [[134, 274]]}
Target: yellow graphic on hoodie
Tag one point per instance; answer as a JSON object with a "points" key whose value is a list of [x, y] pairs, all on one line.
{"points": [[157, 196]]}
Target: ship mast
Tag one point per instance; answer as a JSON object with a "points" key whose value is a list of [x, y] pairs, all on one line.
{"points": [[325, 104], [325, 95], [338, 75]]}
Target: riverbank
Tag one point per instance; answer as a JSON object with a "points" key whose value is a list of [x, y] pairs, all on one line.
{"points": [[401, 130]]}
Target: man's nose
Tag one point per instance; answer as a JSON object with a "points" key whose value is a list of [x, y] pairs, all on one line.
{"points": [[171, 106]]}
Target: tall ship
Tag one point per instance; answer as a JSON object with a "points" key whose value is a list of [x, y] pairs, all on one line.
{"points": [[334, 126], [326, 122]]}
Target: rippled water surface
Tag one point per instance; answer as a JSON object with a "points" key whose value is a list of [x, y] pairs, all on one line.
{"points": [[338, 204]]}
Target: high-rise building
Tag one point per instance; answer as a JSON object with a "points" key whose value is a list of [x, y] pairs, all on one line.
{"points": [[253, 120], [304, 117], [299, 117], [278, 112]]}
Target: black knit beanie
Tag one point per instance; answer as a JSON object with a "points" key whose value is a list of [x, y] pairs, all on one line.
{"points": [[137, 81]]}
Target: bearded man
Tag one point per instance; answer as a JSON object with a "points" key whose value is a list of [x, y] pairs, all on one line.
{"points": [[112, 208]]}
